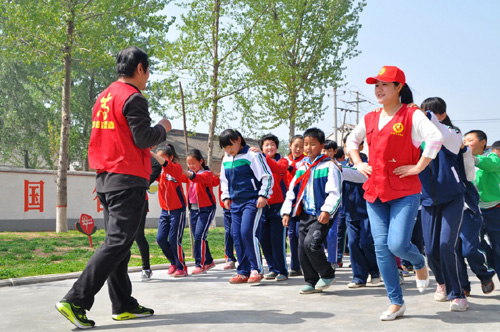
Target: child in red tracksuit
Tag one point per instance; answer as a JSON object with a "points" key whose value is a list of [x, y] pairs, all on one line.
{"points": [[173, 214], [202, 208], [272, 232], [295, 160]]}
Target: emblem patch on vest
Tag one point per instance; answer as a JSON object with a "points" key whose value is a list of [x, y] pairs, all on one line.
{"points": [[398, 129]]}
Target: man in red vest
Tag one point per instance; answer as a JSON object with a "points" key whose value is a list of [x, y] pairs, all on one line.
{"points": [[119, 151]]}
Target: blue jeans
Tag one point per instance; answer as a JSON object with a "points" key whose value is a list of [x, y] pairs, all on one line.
{"points": [[392, 225]]}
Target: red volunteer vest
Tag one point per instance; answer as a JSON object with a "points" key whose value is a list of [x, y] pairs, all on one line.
{"points": [[112, 148], [390, 148]]}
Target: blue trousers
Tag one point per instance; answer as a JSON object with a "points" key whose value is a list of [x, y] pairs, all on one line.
{"points": [[341, 236], [245, 217], [469, 248], [392, 225], [169, 238], [491, 219], [441, 228], [362, 250], [200, 223], [293, 238], [273, 239], [228, 237], [332, 240]]}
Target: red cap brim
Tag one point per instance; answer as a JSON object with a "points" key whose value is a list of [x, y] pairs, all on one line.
{"points": [[373, 80]]}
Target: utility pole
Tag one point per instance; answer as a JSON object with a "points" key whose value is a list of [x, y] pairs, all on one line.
{"points": [[335, 129], [357, 101]]}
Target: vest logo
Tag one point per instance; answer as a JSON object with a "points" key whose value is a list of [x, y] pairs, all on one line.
{"points": [[398, 129], [104, 111]]}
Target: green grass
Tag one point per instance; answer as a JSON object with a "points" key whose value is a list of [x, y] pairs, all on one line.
{"points": [[25, 254]]}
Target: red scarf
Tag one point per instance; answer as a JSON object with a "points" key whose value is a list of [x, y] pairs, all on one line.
{"points": [[304, 178]]}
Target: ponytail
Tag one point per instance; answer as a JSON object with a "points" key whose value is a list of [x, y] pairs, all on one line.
{"points": [[405, 94], [170, 151]]}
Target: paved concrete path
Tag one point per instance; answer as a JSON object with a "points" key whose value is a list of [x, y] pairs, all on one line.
{"points": [[209, 303]]}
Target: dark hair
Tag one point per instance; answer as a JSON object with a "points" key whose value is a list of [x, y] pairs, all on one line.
{"points": [[437, 106], [295, 137], [269, 137], [340, 153], [228, 136], [481, 135], [316, 133], [405, 94], [169, 150], [329, 144], [496, 145], [196, 154], [128, 59]]}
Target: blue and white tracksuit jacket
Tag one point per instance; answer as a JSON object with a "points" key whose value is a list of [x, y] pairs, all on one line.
{"points": [[244, 178]]}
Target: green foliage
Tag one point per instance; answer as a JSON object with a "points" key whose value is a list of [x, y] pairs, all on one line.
{"points": [[24, 254], [296, 53], [35, 37]]}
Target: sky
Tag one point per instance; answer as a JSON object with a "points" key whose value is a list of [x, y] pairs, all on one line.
{"points": [[446, 48]]}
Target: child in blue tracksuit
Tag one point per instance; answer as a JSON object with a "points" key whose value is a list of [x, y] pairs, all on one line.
{"points": [[315, 195], [442, 208], [470, 234], [361, 246], [246, 183]]}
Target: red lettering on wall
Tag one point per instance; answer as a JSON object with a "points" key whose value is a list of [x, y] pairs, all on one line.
{"points": [[33, 195]]}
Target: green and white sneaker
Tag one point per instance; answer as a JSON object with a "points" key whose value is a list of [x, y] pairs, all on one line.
{"points": [[75, 314], [138, 312]]}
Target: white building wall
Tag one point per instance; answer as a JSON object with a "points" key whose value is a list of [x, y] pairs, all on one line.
{"points": [[19, 211]]}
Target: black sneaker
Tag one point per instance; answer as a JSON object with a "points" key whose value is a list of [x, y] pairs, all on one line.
{"points": [[75, 314], [295, 273], [138, 312], [487, 286]]}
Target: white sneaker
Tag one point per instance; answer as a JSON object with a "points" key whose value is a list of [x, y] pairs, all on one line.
{"points": [[458, 305], [355, 284], [440, 294], [146, 275]]}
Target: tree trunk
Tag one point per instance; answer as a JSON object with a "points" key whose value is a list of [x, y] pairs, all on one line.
{"points": [[62, 165], [291, 117], [215, 81]]}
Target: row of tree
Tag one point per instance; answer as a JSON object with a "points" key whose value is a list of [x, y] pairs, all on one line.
{"points": [[272, 60]]}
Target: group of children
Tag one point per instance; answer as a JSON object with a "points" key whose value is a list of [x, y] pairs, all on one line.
{"points": [[418, 165]]}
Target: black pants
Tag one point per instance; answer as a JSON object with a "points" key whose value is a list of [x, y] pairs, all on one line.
{"points": [[141, 241], [312, 235], [122, 215]]}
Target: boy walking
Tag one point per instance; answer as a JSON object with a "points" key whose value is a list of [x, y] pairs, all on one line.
{"points": [[314, 195]]}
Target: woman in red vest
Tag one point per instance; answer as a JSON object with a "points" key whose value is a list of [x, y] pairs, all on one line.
{"points": [[394, 134]]}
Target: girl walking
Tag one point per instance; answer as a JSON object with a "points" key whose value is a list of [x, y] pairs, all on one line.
{"points": [[295, 160], [173, 210], [246, 183], [202, 205]]}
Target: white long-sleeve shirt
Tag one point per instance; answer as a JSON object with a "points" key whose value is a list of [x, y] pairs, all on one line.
{"points": [[423, 130]]}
